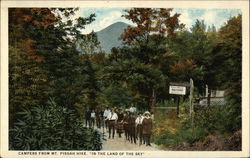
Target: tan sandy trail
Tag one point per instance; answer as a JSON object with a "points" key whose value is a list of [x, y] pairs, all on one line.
{"points": [[122, 144]]}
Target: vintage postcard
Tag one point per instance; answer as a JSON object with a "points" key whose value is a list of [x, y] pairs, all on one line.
{"points": [[124, 79]]}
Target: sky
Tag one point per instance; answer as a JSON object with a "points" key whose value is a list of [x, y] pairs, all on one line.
{"points": [[108, 16]]}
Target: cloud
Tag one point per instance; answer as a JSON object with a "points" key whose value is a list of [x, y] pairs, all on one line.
{"points": [[104, 18], [110, 18], [209, 17], [215, 17], [185, 19]]}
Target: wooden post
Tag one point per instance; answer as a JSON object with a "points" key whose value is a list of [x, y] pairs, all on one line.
{"points": [[208, 97], [152, 99], [178, 105], [191, 98], [206, 94]]}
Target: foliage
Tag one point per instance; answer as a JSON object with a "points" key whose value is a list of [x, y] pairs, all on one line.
{"points": [[47, 36], [27, 82], [177, 133], [50, 58], [166, 103], [212, 119], [149, 20], [51, 127], [118, 96], [89, 92], [232, 114], [89, 43], [229, 50], [182, 136], [137, 77], [44, 62]]}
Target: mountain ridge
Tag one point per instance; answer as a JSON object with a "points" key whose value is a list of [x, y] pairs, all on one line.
{"points": [[109, 36]]}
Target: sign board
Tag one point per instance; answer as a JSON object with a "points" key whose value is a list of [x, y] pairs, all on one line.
{"points": [[178, 90], [182, 84]]}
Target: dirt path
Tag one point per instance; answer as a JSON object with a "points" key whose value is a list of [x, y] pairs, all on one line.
{"points": [[122, 144]]}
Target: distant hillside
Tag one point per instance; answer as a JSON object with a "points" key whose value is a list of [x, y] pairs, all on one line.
{"points": [[108, 37]]}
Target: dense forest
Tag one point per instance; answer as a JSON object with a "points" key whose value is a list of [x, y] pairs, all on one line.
{"points": [[53, 78]]}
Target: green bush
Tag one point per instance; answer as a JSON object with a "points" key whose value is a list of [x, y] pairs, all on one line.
{"points": [[166, 103], [182, 135], [183, 132], [225, 118], [214, 120], [192, 135], [52, 127]]}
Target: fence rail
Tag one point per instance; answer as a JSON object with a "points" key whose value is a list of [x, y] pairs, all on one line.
{"points": [[214, 101], [165, 107]]}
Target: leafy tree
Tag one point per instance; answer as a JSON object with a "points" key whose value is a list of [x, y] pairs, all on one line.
{"points": [[193, 56], [118, 96], [42, 44], [149, 20], [135, 76], [22, 22], [27, 82], [91, 87], [50, 40], [148, 41], [89, 43], [228, 50]]}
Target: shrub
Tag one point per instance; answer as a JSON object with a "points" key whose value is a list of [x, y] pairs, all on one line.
{"points": [[218, 121], [218, 118], [51, 127]]}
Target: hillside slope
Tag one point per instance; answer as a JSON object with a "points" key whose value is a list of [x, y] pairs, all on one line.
{"points": [[109, 36]]}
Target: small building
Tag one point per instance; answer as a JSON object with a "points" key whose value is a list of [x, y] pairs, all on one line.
{"points": [[217, 98]]}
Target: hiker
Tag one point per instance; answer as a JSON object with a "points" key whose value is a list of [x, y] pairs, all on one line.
{"points": [[132, 128], [112, 119], [132, 109], [147, 126], [87, 117], [98, 118], [101, 118], [92, 118], [125, 124], [105, 115], [120, 128], [138, 123]]}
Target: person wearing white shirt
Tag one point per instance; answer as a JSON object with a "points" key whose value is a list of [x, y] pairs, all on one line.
{"points": [[132, 109], [105, 116], [138, 123], [112, 118], [92, 118]]}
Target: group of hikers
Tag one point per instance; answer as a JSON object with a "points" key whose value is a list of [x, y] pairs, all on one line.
{"points": [[135, 125]]}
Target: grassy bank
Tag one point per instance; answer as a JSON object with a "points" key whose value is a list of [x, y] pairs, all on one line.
{"points": [[209, 131]]}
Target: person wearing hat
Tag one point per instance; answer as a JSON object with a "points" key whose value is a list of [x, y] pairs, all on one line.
{"points": [[138, 123], [147, 125], [112, 118]]}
